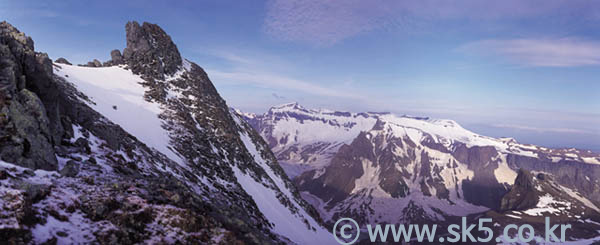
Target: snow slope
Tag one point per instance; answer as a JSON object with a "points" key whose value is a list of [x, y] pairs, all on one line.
{"points": [[285, 222], [118, 95]]}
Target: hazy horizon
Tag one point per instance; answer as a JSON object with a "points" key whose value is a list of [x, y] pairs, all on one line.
{"points": [[541, 137]]}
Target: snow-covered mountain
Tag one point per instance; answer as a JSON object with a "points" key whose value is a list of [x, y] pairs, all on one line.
{"points": [[140, 149], [304, 139], [389, 169]]}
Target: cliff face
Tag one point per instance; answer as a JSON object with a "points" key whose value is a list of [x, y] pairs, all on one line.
{"points": [[29, 112], [523, 194]]}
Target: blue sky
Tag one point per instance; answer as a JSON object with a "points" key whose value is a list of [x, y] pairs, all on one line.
{"points": [[527, 69]]}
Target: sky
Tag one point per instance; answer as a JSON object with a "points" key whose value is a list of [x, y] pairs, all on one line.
{"points": [[523, 69]]}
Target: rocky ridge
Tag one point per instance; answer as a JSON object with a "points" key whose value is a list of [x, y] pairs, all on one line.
{"points": [[70, 174]]}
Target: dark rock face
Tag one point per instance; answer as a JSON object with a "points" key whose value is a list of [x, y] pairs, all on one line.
{"points": [[573, 174], [483, 189], [522, 195], [340, 176], [29, 113], [150, 51], [62, 60], [336, 183], [536, 195], [430, 175]]}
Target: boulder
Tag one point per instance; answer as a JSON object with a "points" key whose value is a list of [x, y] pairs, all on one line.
{"points": [[97, 63], [116, 57], [35, 192], [83, 144], [71, 169]]}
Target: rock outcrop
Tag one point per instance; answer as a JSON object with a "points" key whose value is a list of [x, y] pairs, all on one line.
{"points": [[62, 60], [150, 51], [29, 112], [115, 57], [93, 63], [523, 194]]}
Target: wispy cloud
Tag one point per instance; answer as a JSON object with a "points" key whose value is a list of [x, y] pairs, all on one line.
{"points": [[232, 57], [326, 22], [564, 52], [270, 72], [543, 130], [266, 79]]}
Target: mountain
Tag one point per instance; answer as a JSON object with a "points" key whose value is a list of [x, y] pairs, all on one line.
{"points": [[304, 139], [383, 168], [138, 149]]}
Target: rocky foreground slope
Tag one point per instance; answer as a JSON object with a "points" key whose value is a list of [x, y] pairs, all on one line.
{"points": [[140, 149], [382, 168]]}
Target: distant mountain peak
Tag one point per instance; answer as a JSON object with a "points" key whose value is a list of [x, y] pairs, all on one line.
{"points": [[288, 106]]}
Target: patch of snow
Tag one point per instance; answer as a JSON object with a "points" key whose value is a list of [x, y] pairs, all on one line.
{"points": [[513, 216], [504, 174], [369, 180], [592, 222], [548, 205], [591, 160], [73, 228]]}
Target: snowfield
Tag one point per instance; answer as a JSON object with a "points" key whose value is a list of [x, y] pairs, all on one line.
{"points": [[117, 94]]}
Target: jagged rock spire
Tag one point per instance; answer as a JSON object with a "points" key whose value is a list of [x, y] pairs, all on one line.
{"points": [[150, 51]]}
